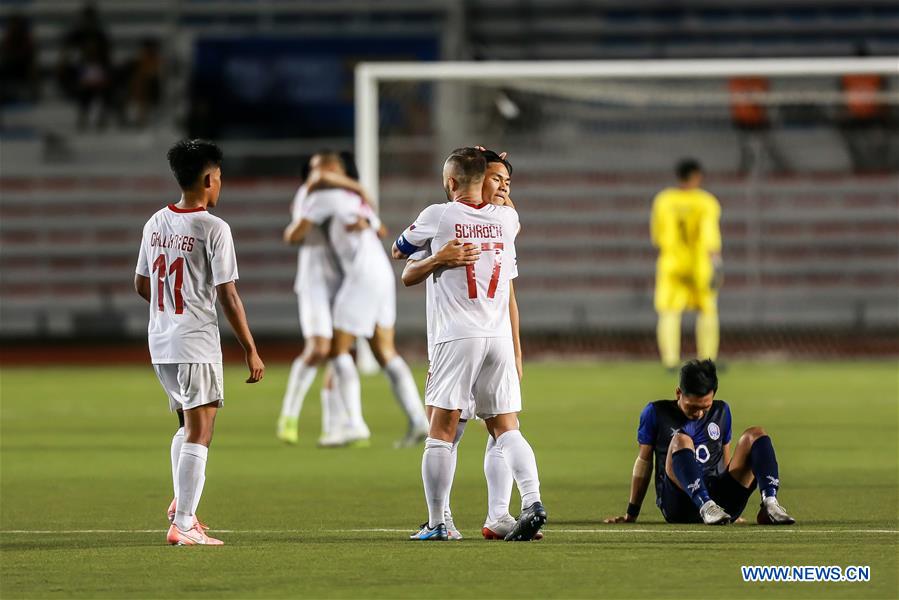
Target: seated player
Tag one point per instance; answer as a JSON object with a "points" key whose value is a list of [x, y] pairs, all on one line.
{"points": [[695, 481]]}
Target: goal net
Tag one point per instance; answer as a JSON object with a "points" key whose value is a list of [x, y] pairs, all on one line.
{"points": [[801, 153]]}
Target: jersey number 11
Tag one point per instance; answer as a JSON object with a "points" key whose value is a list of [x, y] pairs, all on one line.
{"points": [[178, 269]]}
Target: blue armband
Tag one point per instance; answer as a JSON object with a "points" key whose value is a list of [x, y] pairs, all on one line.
{"points": [[404, 246]]}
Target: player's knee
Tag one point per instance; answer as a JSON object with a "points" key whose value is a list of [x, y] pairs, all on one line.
{"points": [[318, 352], [680, 441], [752, 434]]}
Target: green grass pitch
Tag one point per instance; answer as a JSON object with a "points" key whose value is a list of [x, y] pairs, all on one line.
{"points": [[86, 449]]}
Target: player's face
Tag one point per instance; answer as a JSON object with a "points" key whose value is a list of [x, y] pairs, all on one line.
{"points": [[497, 184], [214, 186], [694, 407]]}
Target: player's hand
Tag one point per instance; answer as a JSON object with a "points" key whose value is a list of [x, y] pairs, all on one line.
{"points": [[456, 254], [620, 519], [502, 155], [256, 367], [359, 225]]}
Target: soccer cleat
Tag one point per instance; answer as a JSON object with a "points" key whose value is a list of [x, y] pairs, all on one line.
{"points": [[528, 525], [772, 513], [171, 515], [359, 437], [287, 429], [712, 514], [414, 437], [451, 532], [331, 440], [426, 534], [195, 536], [498, 530]]}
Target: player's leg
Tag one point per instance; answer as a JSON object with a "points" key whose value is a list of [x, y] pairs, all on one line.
{"points": [[402, 383], [175, 454], [707, 328], [685, 472], [333, 413], [755, 463], [349, 387], [451, 531], [670, 300]]}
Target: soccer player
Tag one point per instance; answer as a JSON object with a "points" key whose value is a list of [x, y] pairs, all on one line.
{"points": [[189, 253], [697, 480], [688, 272], [316, 285], [454, 254], [473, 370], [365, 304]]}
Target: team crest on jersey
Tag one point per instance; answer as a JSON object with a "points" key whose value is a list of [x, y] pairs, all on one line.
{"points": [[714, 431]]}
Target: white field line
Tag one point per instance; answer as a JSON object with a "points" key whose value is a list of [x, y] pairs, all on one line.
{"points": [[609, 530]]}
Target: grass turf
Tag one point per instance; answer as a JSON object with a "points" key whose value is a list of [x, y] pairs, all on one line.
{"points": [[87, 449]]}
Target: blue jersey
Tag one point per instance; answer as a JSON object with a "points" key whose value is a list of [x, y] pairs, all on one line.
{"points": [[661, 419]]}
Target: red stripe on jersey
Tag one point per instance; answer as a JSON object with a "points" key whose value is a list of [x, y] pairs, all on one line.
{"points": [[174, 208], [477, 206]]}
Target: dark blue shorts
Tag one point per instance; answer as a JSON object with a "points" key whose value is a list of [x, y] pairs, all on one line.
{"points": [[726, 491]]}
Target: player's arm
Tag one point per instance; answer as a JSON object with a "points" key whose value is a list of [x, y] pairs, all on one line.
{"points": [[319, 180], [453, 254], [237, 317], [516, 336], [142, 286], [640, 478], [297, 230]]}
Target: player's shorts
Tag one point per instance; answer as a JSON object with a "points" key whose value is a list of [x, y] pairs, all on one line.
{"points": [[677, 507], [315, 312], [474, 375], [675, 292], [361, 306], [190, 385]]}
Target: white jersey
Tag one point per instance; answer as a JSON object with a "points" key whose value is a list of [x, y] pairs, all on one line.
{"points": [[359, 253], [316, 267], [472, 301], [186, 254]]}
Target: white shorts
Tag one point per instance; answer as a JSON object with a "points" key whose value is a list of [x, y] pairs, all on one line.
{"points": [[190, 385], [315, 312], [360, 307], [474, 375]]}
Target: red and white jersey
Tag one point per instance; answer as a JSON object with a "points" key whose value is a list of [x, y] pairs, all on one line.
{"points": [[360, 254], [470, 301], [315, 265], [185, 253]]}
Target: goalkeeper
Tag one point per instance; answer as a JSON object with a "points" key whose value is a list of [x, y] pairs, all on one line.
{"points": [[685, 229]]}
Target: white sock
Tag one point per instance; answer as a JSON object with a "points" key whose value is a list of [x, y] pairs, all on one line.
{"points": [[460, 429], [350, 392], [191, 473], [337, 411], [298, 383], [327, 419], [406, 391], [437, 475], [177, 442], [499, 482], [521, 461]]}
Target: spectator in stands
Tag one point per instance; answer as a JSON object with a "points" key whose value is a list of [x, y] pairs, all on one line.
{"points": [[85, 72], [19, 77], [750, 119], [144, 81], [864, 121]]}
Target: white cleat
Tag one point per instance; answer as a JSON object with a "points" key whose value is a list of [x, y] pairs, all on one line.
{"points": [[712, 514], [772, 513], [451, 532], [331, 440], [359, 437], [498, 530], [414, 437]]}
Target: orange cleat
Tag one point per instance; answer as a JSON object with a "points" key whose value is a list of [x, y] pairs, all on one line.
{"points": [[171, 516], [194, 537]]}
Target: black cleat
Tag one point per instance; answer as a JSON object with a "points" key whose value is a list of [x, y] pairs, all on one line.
{"points": [[529, 523]]}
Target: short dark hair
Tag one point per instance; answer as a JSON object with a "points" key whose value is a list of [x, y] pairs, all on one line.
{"points": [[468, 164], [698, 377], [349, 165], [189, 158], [492, 157], [686, 167]]}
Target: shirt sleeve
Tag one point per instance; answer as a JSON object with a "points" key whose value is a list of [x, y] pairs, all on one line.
{"points": [[143, 265], [513, 254], [421, 231], [710, 227], [220, 248], [728, 428], [318, 208], [646, 432]]}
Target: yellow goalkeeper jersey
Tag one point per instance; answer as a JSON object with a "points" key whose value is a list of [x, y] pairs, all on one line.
{"points": [[685, 228]]}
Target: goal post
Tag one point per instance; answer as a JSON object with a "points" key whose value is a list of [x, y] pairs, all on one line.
{"points": [[368, 75], [803, 154]]}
